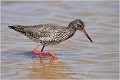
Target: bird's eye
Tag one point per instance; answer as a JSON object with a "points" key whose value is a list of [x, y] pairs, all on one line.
{"points": [[79, 25]]}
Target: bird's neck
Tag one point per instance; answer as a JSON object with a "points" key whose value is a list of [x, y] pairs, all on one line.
{"points": [[70, 32], [71, 27]]}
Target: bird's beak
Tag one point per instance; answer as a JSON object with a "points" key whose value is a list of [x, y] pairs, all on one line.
{"points": [[83, 30]]}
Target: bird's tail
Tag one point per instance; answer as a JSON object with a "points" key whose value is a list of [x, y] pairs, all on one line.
{"points": [[18, 28]]}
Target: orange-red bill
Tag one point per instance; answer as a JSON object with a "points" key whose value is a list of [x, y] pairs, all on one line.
{"points": [[83, 30]]}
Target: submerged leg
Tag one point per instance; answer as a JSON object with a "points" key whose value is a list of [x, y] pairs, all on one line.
{"points": [[41, 52]]}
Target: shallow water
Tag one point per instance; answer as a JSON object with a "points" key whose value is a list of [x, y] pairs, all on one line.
{"points": [[78, 58]]}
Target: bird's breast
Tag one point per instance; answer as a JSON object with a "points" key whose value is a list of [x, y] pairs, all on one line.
{"points": [[54, 39]]}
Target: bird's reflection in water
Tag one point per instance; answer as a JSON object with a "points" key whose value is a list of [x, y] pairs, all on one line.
{"points": [[41, 62], [47, 69]]}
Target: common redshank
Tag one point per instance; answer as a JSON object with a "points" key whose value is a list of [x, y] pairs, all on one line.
{"points": [[50, 34]]}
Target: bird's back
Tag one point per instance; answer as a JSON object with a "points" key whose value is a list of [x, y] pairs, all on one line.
{"points": [[46, 34]]}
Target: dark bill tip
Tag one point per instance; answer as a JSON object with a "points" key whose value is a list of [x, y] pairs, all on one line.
{"points": [[87, 35], [89, 38]]}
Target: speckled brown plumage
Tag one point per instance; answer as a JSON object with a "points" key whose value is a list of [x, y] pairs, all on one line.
{"points": [[49, 34]]}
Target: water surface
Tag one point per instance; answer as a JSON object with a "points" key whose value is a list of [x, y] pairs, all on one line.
{"points": [[78, 57]]}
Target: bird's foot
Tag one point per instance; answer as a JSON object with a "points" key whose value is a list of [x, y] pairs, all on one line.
{"points": [[51, 53], [48, 52], [41, 52]]}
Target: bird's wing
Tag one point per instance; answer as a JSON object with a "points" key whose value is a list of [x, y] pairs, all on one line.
{"points": [[46, 32]]}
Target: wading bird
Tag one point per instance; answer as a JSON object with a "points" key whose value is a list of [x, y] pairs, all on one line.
{"points": [[50, 34]]}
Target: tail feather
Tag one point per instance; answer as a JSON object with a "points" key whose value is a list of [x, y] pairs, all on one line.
{"points": [[11, 27], [25, 30], [18, 28]]}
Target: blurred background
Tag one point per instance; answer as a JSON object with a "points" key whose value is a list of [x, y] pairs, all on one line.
{"points": [[78, 58]]}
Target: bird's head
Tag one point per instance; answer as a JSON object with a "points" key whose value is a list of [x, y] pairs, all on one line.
{"points": [[79, 25]]}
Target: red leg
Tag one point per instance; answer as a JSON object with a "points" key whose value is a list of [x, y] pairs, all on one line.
{"points": [[50, 53], [35, 50], [42, 49], [40, 52]]}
